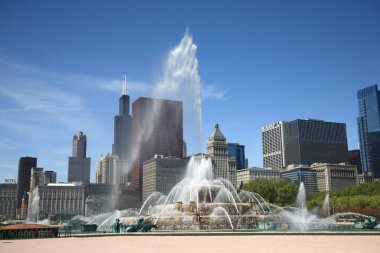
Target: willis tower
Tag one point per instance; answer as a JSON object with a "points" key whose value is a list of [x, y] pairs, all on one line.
{"points": [[121, 146]]}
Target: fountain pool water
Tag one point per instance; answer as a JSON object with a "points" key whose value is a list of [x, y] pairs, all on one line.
{"points": [[300, 219]]}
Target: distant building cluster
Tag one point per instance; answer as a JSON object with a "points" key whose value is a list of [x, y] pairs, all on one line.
{"points": [[149, 154]]}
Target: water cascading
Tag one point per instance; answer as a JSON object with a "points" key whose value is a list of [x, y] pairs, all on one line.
{"points": [[34, 209], [326, 206]]}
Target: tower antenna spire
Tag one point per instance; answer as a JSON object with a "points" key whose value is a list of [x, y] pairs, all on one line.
{"points": [[125, 85]]}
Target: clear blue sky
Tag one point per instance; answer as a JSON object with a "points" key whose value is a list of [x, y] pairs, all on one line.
{"points": [[61, 64]]}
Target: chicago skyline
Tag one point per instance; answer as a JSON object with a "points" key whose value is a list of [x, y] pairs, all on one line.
{"points": [[259, 63]]}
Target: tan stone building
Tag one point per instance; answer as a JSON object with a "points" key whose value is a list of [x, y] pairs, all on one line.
{"points": [[161, 174], [217, 150], [8, 200], [66, 199], [36, 177], [334, 176], [245, 175]]}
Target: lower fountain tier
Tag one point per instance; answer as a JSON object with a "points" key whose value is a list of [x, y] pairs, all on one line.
{"points": [[206, 208], [181, 221]]}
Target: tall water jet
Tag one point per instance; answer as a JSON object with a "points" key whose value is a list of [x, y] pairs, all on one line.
{"points": [[34, 209], [326, 206], [181, 81], [301, 197]]}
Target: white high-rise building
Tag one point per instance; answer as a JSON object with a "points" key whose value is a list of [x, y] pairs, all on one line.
{"points": [[217, 149], [111, 170], [105, 171], [273, 145]]}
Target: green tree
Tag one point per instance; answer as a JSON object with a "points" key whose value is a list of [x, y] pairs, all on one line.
{"points": [[286, 194], [363, 196], [278, 191]]}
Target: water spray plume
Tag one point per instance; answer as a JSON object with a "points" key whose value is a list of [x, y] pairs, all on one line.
{"points": [[181, 81]]}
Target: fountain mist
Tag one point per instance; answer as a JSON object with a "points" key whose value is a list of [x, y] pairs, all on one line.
{"points": [[179, 80], [326, 206]]}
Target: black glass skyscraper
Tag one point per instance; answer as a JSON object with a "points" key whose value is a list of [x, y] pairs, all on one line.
{"points": [[122, 129], [312, 141], [369, 129], [25, 166]]}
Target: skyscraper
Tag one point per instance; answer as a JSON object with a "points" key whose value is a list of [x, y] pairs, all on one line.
{"points": [[310, 141], [36, 177], [273, 145], [157, 128], [79, 164], [238, 152], [369, 129], [354, 159], [50, 176], [25, 166], [122, 128], [107, 170]]}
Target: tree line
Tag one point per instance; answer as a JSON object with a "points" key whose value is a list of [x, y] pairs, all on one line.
{"points": [[281, 192]]}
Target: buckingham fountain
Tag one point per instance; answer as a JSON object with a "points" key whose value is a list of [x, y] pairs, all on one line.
{"points": [[201, 203]]}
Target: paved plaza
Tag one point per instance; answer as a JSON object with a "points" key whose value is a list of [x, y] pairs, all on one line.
{"points": [[198, 244]]}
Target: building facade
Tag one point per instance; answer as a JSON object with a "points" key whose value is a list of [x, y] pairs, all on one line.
{"points": [[238, 152], [245, 175], [79, 164], [122, 172], [217, 150], [365, 177], [369, 129], [354, 159], [64, 199], [302, 173], [50, 176], [123, 129], [36, 177], [25, 166], [374, 143], [334, 176], [161, 174], [273, 145], [315, 141], [8, 193], [100, 198], [106, 170], [157, 129]]}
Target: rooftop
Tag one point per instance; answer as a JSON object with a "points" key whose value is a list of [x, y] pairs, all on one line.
{"points": [[26, 226]]}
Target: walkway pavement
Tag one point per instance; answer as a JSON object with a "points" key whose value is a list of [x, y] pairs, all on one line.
{"points": [[199, 244]]}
